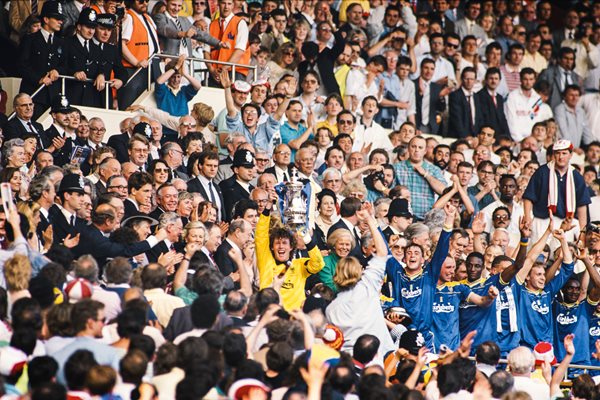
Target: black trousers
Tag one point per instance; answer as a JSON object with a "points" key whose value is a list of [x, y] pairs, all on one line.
{"points": [[131, 91]]}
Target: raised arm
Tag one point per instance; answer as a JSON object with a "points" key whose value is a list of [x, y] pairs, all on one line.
{"points": [[561, 370], [365, 214], [290, 91], [515, 267], [444, 199], [226, 83], [534, 252]]}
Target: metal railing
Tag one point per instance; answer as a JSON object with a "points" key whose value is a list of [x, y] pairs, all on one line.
{"points": [[108, 86]]}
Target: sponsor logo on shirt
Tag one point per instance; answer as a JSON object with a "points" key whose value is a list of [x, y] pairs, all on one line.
{"points": [[443, 308], [566, 319], [410, 293], [595, 331], [540, 308]]}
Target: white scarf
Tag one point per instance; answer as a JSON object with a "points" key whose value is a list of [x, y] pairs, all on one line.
{"points": [[553, 191], [512, 311]]}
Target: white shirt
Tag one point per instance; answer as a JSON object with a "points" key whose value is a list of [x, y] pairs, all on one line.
{"points": [[241, 39], [590, 103], [536, 389], [182, 50], [522, 112], [67, 214], [204, 182], [374, 135], [196, 332]]}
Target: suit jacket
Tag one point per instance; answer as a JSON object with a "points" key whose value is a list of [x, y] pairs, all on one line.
{"points": [[436, 105], [35, 59], [15, 129], [461, 29], [61, 156], [100, 187], [167, 30], [156, 213], [460, 123], [194, 186], [61, 227], [80, 60], [159, 249], [325, 62], [181, 322], [222, 259], [71, 13], [232, 193], [130, 208], [554, 77], [492, 115], [120, 143], [93, 242]]}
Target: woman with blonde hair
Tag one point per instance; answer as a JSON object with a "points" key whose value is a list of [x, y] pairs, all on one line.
{"points": [[31, 210], [340, 243], [285, 60], [17, 273], [195, 232], [357, 309], [204, 114]]}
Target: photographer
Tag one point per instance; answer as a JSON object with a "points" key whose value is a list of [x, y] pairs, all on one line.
{"points": [[379, 183]]}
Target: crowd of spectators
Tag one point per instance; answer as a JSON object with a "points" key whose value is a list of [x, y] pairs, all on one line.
{"points": [[448, 153]]}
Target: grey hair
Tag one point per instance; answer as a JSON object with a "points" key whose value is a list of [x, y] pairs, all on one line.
{"points": [[38, 184], [332, 170], [18, 97], [381, 202], [237, 224], [167, 219], [416, 229], [435, 218], [521, 360], [167, 147], [258, 151], [9, 147], [233, 135], [87, 272], [95, 119], [195, 225]]}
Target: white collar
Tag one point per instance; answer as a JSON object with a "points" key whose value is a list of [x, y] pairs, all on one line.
{"points": [[135, 203], [66, 213], [172, 18], [81, 40], [45, 34], [235, 246], [245, 185]]}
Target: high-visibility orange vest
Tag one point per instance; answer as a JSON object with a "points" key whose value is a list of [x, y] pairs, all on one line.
{"points": [[228, 36], [138, 44]]}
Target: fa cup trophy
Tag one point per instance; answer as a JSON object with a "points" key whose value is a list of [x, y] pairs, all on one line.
{"points": [[293, 201]]}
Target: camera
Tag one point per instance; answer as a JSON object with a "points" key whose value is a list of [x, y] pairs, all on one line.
{"points": [[372, 178], [265, 16], [120, 12]]}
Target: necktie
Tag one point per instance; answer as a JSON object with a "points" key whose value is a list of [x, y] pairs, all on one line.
{"points": [[180, 28], [285, 177], [356, 236], [31, 129], [50, 39], [151, 33], [571, 34], [34, 7], [566, 80], [172, 247], [212, 192], [471, 112], [221, 27], [72, 220], [86, 46]]}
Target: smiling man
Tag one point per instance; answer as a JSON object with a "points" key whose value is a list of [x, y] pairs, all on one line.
{"points": [[277, 267]]}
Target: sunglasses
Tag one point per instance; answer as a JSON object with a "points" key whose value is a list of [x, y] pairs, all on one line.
{"points": [[345, 122], [143, 1], [452, 46]]}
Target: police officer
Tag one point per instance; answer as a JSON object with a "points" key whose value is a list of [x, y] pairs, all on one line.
{"points": [[110, 59], [41, 58], [83, 62], [61, 143]]}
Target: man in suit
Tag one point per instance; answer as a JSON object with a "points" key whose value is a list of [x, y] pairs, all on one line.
{"points": [[282, 159], [84, 61], [238, 186], [110, 58], [94, 238], [140, 193], [399, 216], [490, 104], [175, 33], [232, 142], [429, 99], [561, 75], [61, 143], [464, 114], [468, 25], [41, 57], [172, 154], [203, 183], [323, 61], [568, 29], [72, 10], [238, 236], [43, 192], [173, 226], [166, 199], [63, 217], [97, 131], [139, 150], [23, 122], [121, 142], [107, 168], [441, 7]]}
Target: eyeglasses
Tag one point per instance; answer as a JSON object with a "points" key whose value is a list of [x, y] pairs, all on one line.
{"points": [[501, 217], [120, 187], [521, 33], [199, 3], [594, 251], [345, 122], [289, 53], [283, 153], [143, 1], [264, 160], [484, 172], [452, 46], [161, 170], [103, 130]]}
